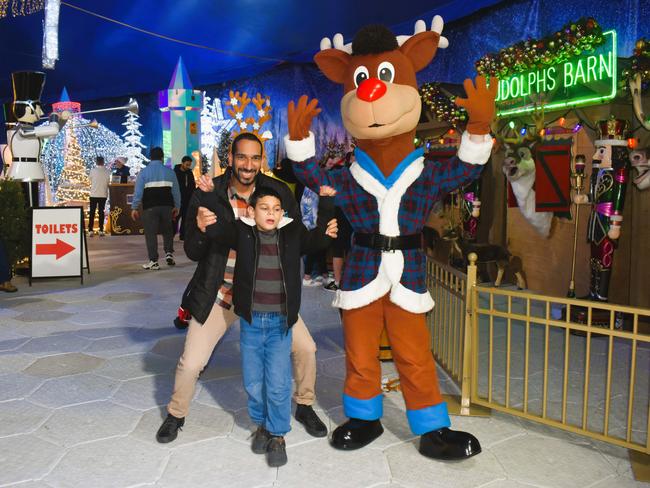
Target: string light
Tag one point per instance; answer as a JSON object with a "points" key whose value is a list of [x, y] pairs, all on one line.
{"points": [[92, 142], [523, 131]]}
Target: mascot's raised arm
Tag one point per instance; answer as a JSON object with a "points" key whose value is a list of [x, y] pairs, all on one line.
{"points": [[387, 194]]}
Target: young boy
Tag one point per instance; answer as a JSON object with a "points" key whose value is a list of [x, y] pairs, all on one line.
{"points": [[266, 296]]}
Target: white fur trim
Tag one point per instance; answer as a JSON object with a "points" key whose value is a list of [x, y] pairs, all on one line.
{"points": [[411, 301], [472, 152], [251, 222], [391, 266], [302, 150]]}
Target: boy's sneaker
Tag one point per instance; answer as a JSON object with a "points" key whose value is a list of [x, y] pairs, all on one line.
{"points": [[318, 280], [169, 257], [260, 440], [307, 282], [101, 233], [89, 233], [276, 452], [331, 286], [151, 265]]}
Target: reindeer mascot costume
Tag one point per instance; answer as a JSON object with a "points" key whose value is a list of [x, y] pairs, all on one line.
{"points": [[387, 195]]}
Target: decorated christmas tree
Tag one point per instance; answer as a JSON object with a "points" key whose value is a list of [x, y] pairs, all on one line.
{"points": [[74, 186], [225, 140], [133, 142], [94, 142]]}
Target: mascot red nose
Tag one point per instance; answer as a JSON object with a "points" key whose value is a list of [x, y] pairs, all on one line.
{"points": [[387, 194]]}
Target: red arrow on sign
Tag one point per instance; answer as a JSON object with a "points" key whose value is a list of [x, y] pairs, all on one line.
{"points": [[61, 248]]}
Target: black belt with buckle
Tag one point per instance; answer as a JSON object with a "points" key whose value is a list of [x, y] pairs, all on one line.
{"points": [[25, 160], [381, 242]]}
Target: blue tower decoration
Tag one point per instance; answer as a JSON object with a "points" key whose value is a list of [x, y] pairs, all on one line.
{"points": [[181, 116]]}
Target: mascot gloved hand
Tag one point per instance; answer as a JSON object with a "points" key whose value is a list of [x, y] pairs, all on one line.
{"points": [[387, 195]]}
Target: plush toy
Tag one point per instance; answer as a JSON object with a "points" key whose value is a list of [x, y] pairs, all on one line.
{"points": [[639, 160], [519, 168], [387, 194]]}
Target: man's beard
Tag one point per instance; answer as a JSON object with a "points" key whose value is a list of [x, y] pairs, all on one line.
{"points": [[241, 178]]}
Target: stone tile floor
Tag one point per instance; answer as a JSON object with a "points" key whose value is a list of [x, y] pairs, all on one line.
{"points": [[85, 372]]}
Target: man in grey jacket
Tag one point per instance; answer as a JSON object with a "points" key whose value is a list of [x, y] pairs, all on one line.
{"points": [[157, 189]]}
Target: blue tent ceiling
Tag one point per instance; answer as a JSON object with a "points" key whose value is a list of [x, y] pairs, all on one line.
{"points": [[99, 58]]}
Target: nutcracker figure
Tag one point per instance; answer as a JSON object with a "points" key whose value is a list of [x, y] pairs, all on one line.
{"points": [[608, 181], [23, 139]]}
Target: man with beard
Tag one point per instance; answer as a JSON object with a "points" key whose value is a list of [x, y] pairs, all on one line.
{"points": [[208, 296]]}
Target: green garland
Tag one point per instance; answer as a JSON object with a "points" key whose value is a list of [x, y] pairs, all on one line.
{"points": [[442, 106], [571, 40], [640, 63]]}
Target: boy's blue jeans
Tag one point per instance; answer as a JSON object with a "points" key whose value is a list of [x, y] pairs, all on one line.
{"points": [[266, 368]]}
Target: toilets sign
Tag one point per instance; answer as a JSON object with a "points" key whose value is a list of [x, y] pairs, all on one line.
{"points": [[57, 242], [586, 79]]}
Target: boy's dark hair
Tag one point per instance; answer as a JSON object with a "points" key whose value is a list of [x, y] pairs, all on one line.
{"points": [[245, 136], [185, 158], [263, 191], [100, 160], [156, 154]]}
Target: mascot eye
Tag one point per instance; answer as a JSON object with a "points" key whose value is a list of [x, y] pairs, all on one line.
{"points": [[360, 75], [386, 72]]}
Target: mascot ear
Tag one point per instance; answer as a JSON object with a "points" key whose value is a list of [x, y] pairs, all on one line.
{"points": [[334, 64], [421, 49]]}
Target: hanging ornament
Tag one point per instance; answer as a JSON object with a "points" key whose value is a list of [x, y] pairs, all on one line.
{"points": [[571, 40]]}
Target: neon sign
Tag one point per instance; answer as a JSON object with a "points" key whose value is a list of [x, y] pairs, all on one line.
{"points": [[587, 79]]}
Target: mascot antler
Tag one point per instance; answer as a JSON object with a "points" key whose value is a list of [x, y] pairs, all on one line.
{"points": [[437, 25]]}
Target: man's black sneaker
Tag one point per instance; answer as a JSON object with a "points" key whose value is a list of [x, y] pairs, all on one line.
{"points": [[276, 452], [260, 440], [169, 257], [169, 429], [313, 425]]}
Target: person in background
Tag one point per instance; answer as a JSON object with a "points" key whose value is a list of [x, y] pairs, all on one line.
{"points": [[99, 179], [187, 185], [157, 189], [315, 262], [284, 170], [121, 169], [343, 241]]}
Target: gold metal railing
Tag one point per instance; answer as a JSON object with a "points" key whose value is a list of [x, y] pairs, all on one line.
{"points": [[450, 325], [541, 358]]}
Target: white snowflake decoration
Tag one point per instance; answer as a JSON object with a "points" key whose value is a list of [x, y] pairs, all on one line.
{"points": [[243, 125], [234, 102], [261, 113]]}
